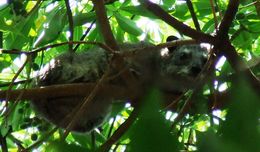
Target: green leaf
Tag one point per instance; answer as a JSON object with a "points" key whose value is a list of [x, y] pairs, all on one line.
{"points": [[209, 142], [242, 120], [4, 15], [151, 133], [62, 146], [243, 40], [116, 108], [168, 4], [83, 18], [55, 24], [94, 35], [202, 8], [18, 34], [127, 25], [181, 11], [240, 132], [209, 27], [83, 139], [16, 117], [139, 10], [254, 26], [125, 3]]}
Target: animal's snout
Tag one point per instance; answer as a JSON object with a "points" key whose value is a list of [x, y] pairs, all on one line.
{"points": [[195, 70]]}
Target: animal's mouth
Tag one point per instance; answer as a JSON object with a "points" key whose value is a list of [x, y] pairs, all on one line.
{"points": [[194, 71], [191, 73]]}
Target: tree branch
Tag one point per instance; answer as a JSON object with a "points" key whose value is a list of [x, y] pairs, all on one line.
{"points": [[224, 46], [181, 27], [71, 26], [76, 89], [257, 7], [238, 64], [119, 132], [117, 62], [228, 19], [84, 89], [104, 24], [193, 15]]}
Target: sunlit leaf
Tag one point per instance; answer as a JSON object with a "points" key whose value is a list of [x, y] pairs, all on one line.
{"points": [[128, 25]]}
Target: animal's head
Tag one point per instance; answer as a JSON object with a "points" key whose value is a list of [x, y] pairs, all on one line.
{"points": [[185, 60]]}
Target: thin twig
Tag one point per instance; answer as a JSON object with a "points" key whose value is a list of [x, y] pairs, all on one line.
{"points": [[15, 83], [119, 132], [71, 26], [87, 101], [184, 109], [40, 141], [193, 15], [14, 51], [225, 47], [181, 27], [84, 35], [7, 97], [249, 5], [174, 102], [214, 14], [118, 61], [16, 141]]}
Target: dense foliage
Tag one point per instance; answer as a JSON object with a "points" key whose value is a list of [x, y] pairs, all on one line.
{"points": [[221, 114]]}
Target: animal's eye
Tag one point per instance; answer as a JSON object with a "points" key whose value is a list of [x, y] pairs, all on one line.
{"points": [[185, 55]]}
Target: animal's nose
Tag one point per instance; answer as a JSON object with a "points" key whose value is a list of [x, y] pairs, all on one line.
{"points": [[195, 70]]}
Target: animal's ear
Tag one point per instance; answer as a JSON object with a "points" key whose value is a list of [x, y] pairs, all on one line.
{"points": [[169, 39]]}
